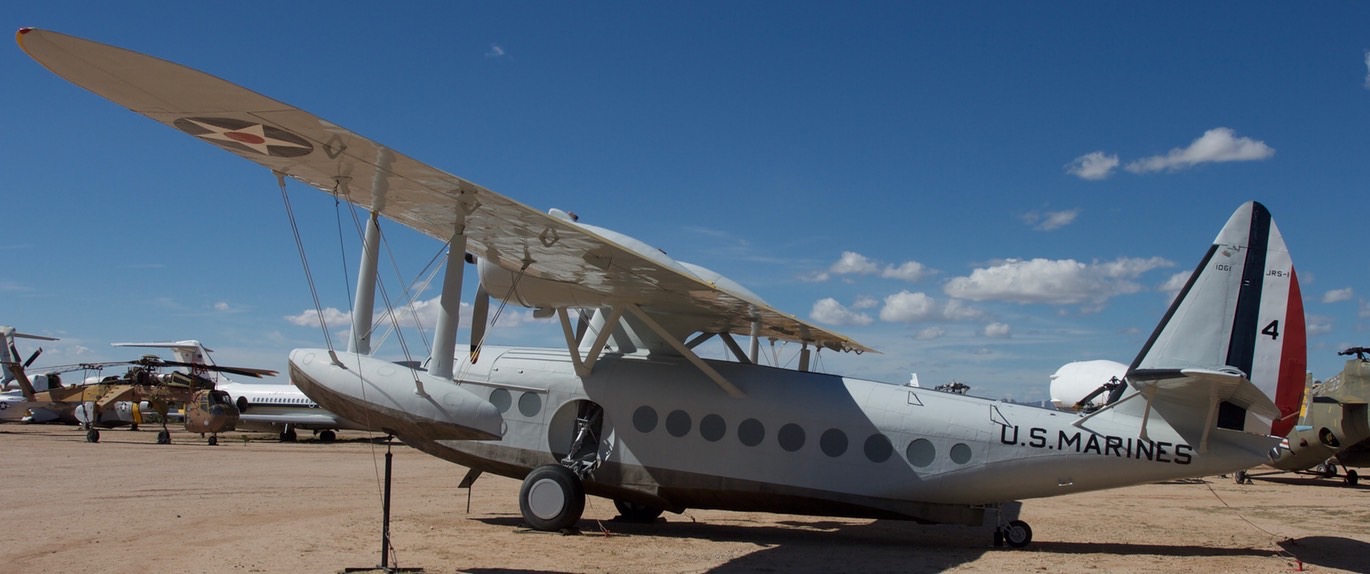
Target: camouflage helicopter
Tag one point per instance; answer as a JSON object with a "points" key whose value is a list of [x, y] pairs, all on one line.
{"points": [[207, 411], [1334, 427]]}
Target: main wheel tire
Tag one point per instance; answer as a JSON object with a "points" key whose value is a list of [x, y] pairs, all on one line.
{"points": [[552, 498], [328, 436], [92, 435], [163, 437], [1325, 470], [289, 436], [1017, 534], [213, 441], [634, 512], [1352, 477]]}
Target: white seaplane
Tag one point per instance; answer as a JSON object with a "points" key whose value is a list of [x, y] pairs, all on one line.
{"points": [[628, 410]]}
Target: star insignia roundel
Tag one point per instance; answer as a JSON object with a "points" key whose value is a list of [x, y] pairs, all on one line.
{"points": [[244, 136]]}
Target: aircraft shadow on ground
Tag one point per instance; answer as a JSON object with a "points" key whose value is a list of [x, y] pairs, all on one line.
{"points": [[829, 546], [1306, 480], [1329, 552], [813, 545]]}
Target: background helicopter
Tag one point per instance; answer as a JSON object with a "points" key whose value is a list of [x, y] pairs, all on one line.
{"points": [[206, 410]]}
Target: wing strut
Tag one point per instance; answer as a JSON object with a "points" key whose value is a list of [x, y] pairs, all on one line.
{"points": [[364, 301], [689, 355], [587, 364], [449, 312]]}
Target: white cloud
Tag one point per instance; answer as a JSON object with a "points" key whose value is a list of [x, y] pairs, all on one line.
{"points": [[1317, 325], [332, 317], [865, 302], [1216, 145], [997, 330], [906, 307], [929, 334], [853, 263], [1337, 295], [829, 311], [1050, 220], [1367, 67], [1056, 282], [911, 271], [495, 51], [1093, 166]]}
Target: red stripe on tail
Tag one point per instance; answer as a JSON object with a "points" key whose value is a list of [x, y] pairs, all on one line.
{"points": [[1293, 362]]}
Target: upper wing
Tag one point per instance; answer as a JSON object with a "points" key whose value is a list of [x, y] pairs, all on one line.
{"points": [[331, 158]]}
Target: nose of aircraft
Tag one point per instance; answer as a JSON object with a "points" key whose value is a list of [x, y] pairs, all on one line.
{"points": [[382, 395]]}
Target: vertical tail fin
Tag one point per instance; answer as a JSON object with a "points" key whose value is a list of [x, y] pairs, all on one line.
{"points": [[1242, 309]]}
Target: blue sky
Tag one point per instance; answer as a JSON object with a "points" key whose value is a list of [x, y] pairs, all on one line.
{"points": [[982, 191]]}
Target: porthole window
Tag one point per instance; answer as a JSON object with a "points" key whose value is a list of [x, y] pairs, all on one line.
{"points": [[712, 428], [678, 423], [921, 452], [644, 419], [751, 432], [530, 404], [878, 448], [791, 437], [833, 442], [960, 453], [502, 400]]}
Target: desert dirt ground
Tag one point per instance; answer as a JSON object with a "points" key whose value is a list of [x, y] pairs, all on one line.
{"points": [[251, 504]]}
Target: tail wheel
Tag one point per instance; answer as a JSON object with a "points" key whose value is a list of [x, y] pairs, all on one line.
{"points": [[552, 498], [163, 437], [1017, 534], [92, 435], [213, 441], [634, 512]]}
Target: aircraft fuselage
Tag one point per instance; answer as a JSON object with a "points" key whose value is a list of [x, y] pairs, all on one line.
{"points": [[797, 442]]}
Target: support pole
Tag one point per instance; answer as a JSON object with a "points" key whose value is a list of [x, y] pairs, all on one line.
{"points": [[449, 314], [364, 303], [756, 341], [385, 509]]}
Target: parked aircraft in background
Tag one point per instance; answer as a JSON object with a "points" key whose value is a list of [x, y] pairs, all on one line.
{"points": [[628, 411], [262, 407], [1334, 427], [1084, 385]]}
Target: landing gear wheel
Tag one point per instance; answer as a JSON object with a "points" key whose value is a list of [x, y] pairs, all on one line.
{"points": [[163, 437], [1352, 477], [92, 435], [1017, 534], [1240, 477], [1325, 470], [552, 498], [288, 436], [638, 513], [213, 441], [328, 436]]}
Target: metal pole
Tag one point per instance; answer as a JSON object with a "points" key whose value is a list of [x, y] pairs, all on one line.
{"points": [[385, 512]]}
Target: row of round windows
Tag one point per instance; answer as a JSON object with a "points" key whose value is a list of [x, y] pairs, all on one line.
{"points": [[791, 437], [752, 432]]}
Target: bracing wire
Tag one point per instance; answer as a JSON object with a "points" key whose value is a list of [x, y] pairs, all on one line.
{"points": [[304, 261]]}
